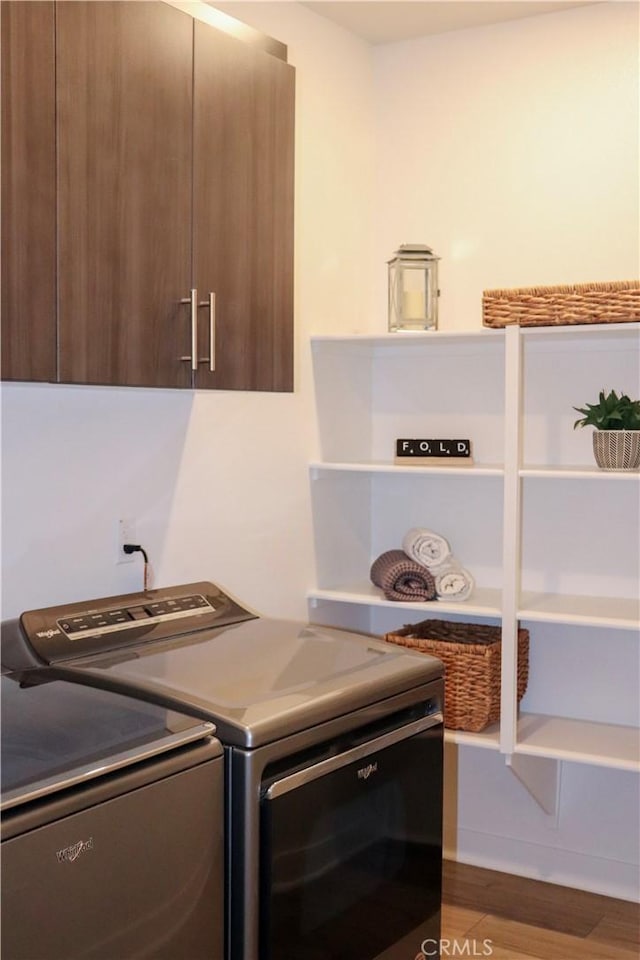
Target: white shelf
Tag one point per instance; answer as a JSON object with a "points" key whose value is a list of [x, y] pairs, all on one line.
{"points": [[560, 738], [582, 331], [379, 466], [555, 334], [616, 613], [484, 602], [410, 338], [584, 472], [488, 739], [579, 741]]}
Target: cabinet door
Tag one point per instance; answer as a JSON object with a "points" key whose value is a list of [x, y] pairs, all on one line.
{"points": [[243, 211], [28, 192], [124, 72]]}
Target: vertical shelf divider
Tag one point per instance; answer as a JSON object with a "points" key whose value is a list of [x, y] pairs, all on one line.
{"points": [[511, 537]]}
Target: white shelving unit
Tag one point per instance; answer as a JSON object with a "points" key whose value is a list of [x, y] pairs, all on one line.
{"points": [[553, 542]]}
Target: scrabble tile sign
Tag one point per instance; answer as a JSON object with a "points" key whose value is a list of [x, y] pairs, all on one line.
{"points": [[433, 452]]}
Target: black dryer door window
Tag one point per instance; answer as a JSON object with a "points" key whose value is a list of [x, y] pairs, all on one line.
{"points": [[351, 858]]}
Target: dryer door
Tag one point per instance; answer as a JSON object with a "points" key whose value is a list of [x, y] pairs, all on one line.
{"points": [[351, 851]]}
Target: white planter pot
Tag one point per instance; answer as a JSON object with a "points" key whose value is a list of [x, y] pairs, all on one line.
{"points": [[617, 449]]}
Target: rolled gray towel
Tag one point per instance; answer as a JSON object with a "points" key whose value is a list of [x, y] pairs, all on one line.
{"points": [[401, 578]]}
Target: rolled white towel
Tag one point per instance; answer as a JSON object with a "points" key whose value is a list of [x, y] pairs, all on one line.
{"points": [[426, 547], [453, 582]]}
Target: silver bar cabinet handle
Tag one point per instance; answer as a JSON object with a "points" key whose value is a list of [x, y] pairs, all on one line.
{"points": [[193, 300], [212, 331], [211, 359]]}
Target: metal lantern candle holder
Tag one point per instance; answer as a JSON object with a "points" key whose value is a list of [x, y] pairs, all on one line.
{"points": [[413, 288]]}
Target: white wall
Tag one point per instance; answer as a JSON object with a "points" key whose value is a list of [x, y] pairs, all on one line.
{"points": [[512, 149], [217, 482], [591, 842]]}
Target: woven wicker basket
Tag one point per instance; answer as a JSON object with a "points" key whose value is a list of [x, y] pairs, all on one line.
{"points": [[617, 302], [471, 653]]}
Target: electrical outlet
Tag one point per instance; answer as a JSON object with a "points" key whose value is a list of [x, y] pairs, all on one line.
{"points": [[126, 534]]}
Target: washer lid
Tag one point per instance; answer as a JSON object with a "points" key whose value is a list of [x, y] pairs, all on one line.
{"points": [[56, 734], [261, 679]]}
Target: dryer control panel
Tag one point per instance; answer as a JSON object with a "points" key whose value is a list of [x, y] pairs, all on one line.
{"points": [[83, 629]]}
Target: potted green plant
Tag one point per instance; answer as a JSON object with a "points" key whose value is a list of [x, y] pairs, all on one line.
{"points": [[616, 438]]}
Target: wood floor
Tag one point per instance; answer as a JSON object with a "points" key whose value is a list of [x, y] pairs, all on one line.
{"points": [[531, 920]]}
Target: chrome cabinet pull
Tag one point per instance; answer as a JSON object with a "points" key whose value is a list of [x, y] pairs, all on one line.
{"points": [[193, 300], [203, 303], [212, 331]]}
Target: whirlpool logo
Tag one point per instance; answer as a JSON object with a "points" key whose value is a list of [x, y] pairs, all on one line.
{"points": [[69, 854], [365, 772]]}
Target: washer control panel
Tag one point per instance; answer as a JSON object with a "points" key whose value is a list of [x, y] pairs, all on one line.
{"points": [[122, 617], [78, 630]]}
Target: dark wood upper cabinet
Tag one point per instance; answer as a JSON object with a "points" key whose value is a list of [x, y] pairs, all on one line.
{"points": [[124, 93], [28, 192], [243, 211], [173, 172]]}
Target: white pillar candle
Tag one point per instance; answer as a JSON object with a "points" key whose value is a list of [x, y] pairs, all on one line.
{"points": [[413, 304]]}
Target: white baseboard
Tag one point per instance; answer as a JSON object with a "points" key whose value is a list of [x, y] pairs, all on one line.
{"points": [[611, 878]]}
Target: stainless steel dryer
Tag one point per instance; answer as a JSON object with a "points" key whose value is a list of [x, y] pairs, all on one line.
{"points": [[333, 745], [112, 827]]}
